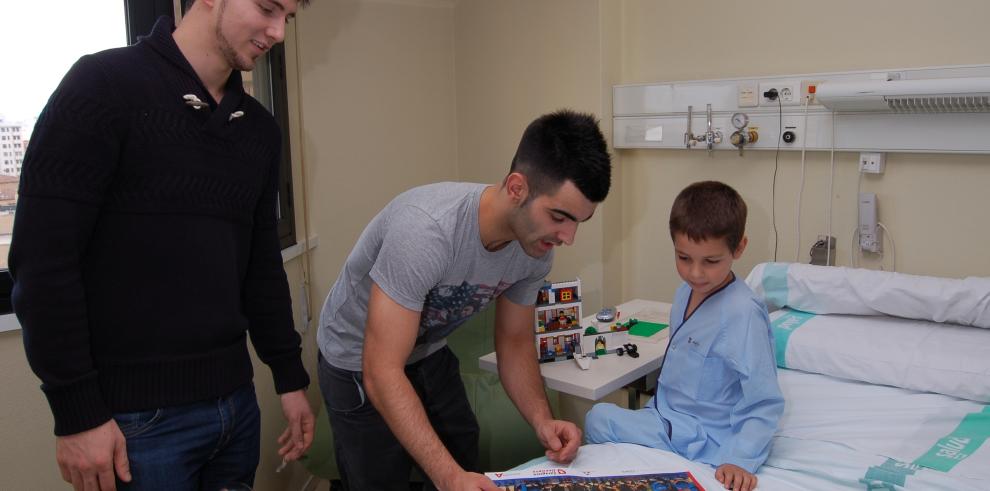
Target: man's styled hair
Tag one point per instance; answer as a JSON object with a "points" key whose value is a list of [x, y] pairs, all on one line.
{"points": [[564, 146], [709, 210]]}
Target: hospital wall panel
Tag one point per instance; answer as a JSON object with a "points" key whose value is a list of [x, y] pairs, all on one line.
{"points": [[931, 203]]}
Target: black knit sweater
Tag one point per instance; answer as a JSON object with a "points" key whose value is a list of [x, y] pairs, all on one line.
{"points": [[144, 246]]}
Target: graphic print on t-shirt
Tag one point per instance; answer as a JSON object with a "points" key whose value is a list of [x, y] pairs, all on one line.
{"points": [[449, 306]]}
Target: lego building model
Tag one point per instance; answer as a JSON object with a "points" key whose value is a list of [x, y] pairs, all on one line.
{"points": [[558, 320]]}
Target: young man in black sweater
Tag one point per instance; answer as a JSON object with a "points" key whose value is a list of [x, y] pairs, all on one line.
{"points": [[145, 250]]}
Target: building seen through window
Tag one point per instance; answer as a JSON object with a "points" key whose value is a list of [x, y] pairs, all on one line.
{"points": [[32, 71], [95, 26]]}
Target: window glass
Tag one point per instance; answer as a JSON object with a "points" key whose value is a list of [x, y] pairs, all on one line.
{"points": [[50, 36]]}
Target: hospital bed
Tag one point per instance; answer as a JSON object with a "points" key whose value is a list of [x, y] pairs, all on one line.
{"points": [[886, 379]]}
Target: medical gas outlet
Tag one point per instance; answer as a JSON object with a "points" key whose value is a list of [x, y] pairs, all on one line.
{"points": [[743, 135], [709, 138]]}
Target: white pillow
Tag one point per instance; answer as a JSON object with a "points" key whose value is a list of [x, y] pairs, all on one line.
{"points": [[913, 354], [838, 290]]}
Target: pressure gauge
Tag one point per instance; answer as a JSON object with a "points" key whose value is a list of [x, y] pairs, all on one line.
{"points": [[740, 120]]}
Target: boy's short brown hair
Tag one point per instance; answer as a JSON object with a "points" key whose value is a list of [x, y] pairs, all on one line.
{"points": [[709, 210]]}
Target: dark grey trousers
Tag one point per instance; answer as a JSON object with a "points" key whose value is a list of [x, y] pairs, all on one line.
{"points": [[369, 457]]}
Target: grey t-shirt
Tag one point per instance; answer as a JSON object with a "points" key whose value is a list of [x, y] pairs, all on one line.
{"points": [[424, 251]]}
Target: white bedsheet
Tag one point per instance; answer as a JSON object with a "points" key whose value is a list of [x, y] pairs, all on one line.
{"points": [[814, 465], [896, 423], [834, 434]]}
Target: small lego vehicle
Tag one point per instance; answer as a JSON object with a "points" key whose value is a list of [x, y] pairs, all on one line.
{"points": [[605, 315]]}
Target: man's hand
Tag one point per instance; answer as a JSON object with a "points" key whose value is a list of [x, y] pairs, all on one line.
{"points": [[735, 478], [298, 435], [88, 459], [468, 481], [560, 438], [520, 376]]}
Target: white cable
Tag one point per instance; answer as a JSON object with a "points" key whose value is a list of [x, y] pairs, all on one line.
{"points": [[773, 183], [804, 147], [853, 251], [893, 248], [828, 207], [306, 259]]}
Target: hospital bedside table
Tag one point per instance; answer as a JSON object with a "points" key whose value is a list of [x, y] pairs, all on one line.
{"points": [[610, 372]]}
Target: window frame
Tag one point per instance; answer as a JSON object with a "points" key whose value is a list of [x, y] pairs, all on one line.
{"points": [[280, 109]]}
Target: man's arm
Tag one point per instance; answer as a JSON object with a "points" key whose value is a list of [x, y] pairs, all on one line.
{"points": [[265, 293], [389, 339], [519, 371], [268, 307], [69, 165]]}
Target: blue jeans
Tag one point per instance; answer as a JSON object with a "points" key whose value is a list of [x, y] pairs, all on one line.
{"points": [[209, 445], [369, 457]]}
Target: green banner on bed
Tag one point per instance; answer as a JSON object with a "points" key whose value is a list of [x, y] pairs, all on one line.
{"points": [[782, 328], [961, 443], [891, 472], [775, 285]]}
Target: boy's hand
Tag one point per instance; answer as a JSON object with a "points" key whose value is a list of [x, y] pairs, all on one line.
{"points": [[735, 478]]}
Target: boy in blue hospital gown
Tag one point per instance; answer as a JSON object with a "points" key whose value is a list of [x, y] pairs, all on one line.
{"points": [[718, 400]]}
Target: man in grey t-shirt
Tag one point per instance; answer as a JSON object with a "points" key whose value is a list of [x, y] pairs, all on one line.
{"points": [[435, 256]]}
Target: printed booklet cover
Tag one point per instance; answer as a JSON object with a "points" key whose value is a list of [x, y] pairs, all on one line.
{"points": [[563, 479]]}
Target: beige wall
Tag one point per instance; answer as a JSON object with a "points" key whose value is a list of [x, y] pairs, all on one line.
{"points": [[28, 460], [929, 202], [517, 60], [378, 114]]}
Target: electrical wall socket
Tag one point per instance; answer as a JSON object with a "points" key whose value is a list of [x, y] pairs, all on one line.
{"points": [[872, 162], [747, 96], [788, 91]]}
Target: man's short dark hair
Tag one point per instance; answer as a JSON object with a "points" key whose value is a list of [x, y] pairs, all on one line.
{"points": [[564, 146], [709, 210]]}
